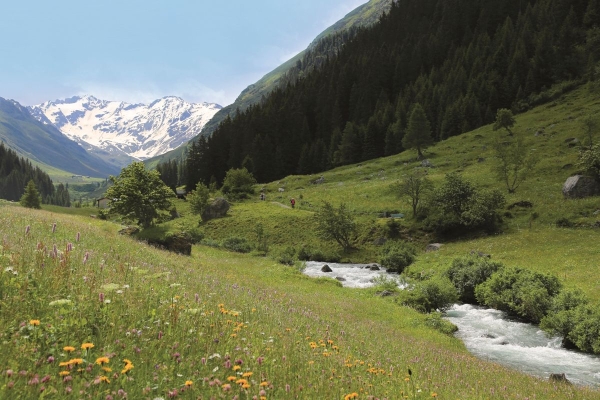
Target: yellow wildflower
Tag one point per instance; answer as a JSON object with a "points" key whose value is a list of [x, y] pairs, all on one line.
{"points": [[34, 322], [106, 369], [265, 383], [247, 374], [76, 361], [241, 381], [64, 373], [104, 379], [64, 364], [246, 386], [87, 346], [102, 360], [189, 383], [236, 367], [69, 349], [231, 378]]}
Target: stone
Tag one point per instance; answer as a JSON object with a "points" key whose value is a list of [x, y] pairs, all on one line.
{"points": [[597, 212], [326, 268], [217, 209], [426, 163], [433, 247], [580, 186], [567, 166], [574, 142], [180, 243], [480, 159], [567, 140], [281, 190], [339, 278], [386, 293], [374, 267], [559, 378], [319, 181]]}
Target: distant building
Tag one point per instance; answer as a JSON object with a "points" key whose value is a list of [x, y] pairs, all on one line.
{"points": [[103, 202]]}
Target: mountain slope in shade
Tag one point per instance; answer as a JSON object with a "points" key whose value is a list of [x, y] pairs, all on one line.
{"points": [[124, 131], [362, 16], [44, 143]]}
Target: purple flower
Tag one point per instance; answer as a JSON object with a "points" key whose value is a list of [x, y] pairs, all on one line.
{"points": [[77, 237], [101, 297], [50, 360]]}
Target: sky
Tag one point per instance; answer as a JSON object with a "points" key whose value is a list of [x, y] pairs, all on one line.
{"points": [[140, 50]]}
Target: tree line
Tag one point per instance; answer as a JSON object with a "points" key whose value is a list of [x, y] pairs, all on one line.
{"points": [[16, 172], [461, 60]]}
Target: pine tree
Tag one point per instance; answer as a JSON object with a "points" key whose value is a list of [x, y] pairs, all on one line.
{"points": [[418, 131], [31, 197]]}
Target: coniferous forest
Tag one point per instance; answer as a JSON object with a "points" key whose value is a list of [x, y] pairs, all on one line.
{"points": [[16, 171], [461, 60]]}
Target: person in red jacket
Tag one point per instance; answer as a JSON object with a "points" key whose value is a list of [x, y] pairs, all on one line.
{"points": [[293, 202]]}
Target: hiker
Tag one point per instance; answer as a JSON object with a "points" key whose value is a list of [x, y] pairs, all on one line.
{"points": [[262, 196], [293, 202]]}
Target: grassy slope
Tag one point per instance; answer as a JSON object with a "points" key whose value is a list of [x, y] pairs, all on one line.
{"points": [[170, 336]]}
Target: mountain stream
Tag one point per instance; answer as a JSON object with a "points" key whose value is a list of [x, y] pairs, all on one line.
{"points": [[488, 333]]}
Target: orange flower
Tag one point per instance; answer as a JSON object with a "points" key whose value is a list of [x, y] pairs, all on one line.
{"points": [[102, 360], [76, 361], [231, 378], [104, 379], [189, 383], [236, 367], [247, 374], [263, 384], [87, 346], [64, 373], [69, 349], [34, 322]]}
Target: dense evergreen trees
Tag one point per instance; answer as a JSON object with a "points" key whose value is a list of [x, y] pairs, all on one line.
{"points": [[461, 60], [16, 172]]}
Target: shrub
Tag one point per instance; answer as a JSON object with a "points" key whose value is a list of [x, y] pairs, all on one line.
{"points": [[458, 205], [466, 273], [562, 316], [396, 256], [384, 282], [564, 223], [519, 291], [589, 161], [287, 256], [309, 254], [436, 293], [238, 184], [435, 321], [198, 199], [237, 244], [586, 329], [392, 229]]}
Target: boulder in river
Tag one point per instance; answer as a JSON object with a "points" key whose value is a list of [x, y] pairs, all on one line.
{"points": [[326, 268]]}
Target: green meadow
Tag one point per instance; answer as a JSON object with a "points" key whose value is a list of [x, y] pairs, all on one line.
{"points": [[88, 313]]}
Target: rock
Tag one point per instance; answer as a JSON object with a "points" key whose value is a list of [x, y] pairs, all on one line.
{"points": [[386, 293], [574, 142], [489, 336], [426, 163], [180, 243], [522, 203], [480, 254], [567, 140], [339, 278], [560, 378], [539, 133], [319, 181], [580, 186], [374, 267], [129, 230], [380, 241], [218, 208], [433, 247], [326, 268], [597, 212], [567, 166], [281, 190]]}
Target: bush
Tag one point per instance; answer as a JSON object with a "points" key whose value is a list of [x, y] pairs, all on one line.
{"points": [[396, 256], [563, 315], [237, 244], [238, 184], [519, 291], [198, 199], [335, 224], [564, 223], [433, 294], [466, 273], [392, 229], [589, 161], [459, 206], [287, 256], [435, 321], [308, 254]]}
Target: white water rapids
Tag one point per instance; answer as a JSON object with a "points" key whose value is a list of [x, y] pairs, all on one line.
{"points": [[488, 333]]}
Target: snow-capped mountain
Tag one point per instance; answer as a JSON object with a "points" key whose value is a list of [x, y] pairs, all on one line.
{"points": [[121, 129]]}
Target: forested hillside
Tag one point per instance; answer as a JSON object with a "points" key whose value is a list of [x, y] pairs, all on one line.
{"points": [[16, 171], [462, 60]]}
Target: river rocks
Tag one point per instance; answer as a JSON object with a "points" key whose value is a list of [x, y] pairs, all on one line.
{"points": [[374, 267], [580, 186], [218, 208], [326, 268], [433, 247], [560, 378], [339, 278]]}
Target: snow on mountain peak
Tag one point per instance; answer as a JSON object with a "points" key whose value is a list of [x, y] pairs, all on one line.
{"points": [[138, 130]]}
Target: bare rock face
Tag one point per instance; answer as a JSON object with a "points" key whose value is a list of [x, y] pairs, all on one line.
{"points": [[580, 186], [217, 209]]}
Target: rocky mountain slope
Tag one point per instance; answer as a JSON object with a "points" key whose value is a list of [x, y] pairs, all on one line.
{"points": [[120, 131]]}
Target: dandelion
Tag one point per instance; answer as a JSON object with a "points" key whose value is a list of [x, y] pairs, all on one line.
{"points": [[64, 373], [189, 383], [106, 369], [69, 349], [434, 394], [128, 366], [263, 384], [247, 374], [104, 379], [87, 346], [34, 322], [76, 361], [236, 367], [102, 360]]}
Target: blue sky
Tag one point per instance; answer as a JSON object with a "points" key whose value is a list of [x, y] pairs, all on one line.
{"points": [[138, 51]]}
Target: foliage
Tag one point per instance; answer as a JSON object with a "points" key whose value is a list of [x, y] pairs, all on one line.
{"points": [[287, 256], [31, 197], [429, 295], [198, 198], [591, 127], [564, 314], [435, 321], [335, 224], [458, 205], [395, 256], [589, 161], [388, 283], [139, 194], [307, 253], [262, 239], [416, 188], [504, 120], [238, 184], [237, 244], [466, 273], [418, 131], [514, 162], [392, 229], [522, 292]]}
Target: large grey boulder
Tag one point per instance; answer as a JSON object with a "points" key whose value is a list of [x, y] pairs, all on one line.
{"points": [[217, 209], [433, 247], [580, 186]]}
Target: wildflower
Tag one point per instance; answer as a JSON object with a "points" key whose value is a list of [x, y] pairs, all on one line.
{"points": [[77, 237], [34, 322], [50, 360], [27, 229], [54, 227], [64, 364], [231, 378], [128, 366], [104, 379], [64, 373], [263, 384], [236, 367], [226, 387], [241, 381], [87, 346], [351, 396], [106, 369], [434, 394], [246, 386], [101, 297], [76, 361], [247, 374], [189, 383], [102, 360]]}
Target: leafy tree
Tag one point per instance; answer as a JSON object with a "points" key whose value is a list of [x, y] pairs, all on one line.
{"points": [[238, 183], [514, 162], [335, 224], [589, 161], [31, 197], [396, 256], [418, 131], [198, 198], [139, 194], [591, 126], [415, 188], [504, 120]]}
